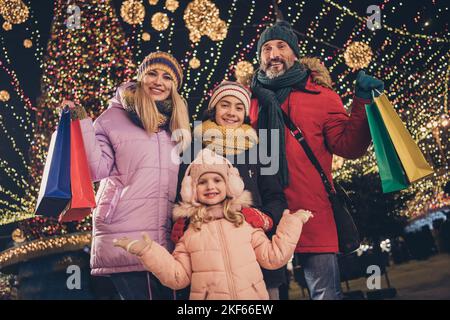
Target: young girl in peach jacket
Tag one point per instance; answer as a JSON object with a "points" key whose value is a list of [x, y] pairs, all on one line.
{"points": [[220, 254]]}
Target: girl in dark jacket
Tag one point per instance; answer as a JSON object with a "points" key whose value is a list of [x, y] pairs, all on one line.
{"points": [[226, 131]]}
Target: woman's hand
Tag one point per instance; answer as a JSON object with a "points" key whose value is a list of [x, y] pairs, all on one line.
{"points": [[68, 103], [76, 112], [136, 247]]}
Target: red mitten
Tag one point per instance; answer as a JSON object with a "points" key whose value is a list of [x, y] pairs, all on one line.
{"points": [[177, 230], [257, 219]]}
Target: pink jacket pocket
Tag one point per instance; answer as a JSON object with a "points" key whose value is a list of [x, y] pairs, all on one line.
{"points": [[108, 200]]}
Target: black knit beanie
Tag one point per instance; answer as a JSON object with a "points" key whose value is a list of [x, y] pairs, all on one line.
{"points": [[281, 30]]}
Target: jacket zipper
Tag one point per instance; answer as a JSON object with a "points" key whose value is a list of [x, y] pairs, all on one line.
{"points": [[227, 264], [159, 180]]}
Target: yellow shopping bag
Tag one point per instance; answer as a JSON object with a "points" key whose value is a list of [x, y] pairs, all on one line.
{"points": [[412, 159]]}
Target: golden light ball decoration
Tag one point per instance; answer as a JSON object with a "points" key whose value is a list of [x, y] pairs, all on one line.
{"points": [[219, 31], [146, 36], [199, 16], [194, 63], [7, 26], [195, 36], [358, 55], [27, 43], [202, 19], [153, 2], [160, 21], [243, 72], [172, 5], [4, 96], [132, 11], [18, 236], [14, 11]]}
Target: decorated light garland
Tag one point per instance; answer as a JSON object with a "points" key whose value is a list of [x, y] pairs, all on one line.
{"points": [[44, 247], [17, 203], [7, 289], [216, 52], [347, 11], [102, 48]]}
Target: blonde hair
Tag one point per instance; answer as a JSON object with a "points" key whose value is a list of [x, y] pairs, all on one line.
{"points": [[148, 113], [200, 215]]}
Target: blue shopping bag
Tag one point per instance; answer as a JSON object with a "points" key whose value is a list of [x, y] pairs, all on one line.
{"points": [[55, 193]]}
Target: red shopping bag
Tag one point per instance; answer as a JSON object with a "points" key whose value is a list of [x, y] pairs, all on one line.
{"points": [[83, 198]]}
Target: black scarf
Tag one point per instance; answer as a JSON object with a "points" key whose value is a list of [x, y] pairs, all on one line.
{"points": [[271, 93]]}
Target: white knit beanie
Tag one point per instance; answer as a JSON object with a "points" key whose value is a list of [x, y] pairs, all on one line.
{"points": [[230, 88]]}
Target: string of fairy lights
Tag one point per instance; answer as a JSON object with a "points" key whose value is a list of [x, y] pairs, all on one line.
{"points": [[18, 105], [215, 53], [212, 56], [414, 66], [84, 64], [59, 82], [418, 121]]}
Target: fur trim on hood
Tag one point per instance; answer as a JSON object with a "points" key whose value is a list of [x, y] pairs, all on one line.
{"points": [[319, 73], [186, 210]]}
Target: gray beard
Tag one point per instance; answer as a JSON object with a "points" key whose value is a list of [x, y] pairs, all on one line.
{"points": [[273, 74]]}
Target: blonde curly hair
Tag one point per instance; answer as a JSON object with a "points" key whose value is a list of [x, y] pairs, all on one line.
{"points": [[200, 215]]}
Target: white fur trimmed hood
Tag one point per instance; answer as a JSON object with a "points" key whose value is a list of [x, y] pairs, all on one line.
{"points": [[319, 73]]}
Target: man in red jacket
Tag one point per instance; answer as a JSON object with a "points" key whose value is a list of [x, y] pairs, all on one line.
{"points": [[283, 82]]}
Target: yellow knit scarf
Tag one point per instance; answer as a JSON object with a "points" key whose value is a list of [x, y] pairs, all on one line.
{"points": [[226, 141]]}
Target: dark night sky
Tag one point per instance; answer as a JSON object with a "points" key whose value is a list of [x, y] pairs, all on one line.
{"points": [[29, 72]]}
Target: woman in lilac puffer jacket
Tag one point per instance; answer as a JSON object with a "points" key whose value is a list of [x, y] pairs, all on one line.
{"points": [[131, 152]]}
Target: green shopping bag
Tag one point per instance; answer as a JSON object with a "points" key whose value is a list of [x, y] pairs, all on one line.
{"points": [[393, 177]]}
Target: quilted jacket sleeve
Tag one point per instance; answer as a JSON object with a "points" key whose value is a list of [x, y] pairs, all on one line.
{"points": [[347, 136], [173, 270], [99, 151], [275, 253]]}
